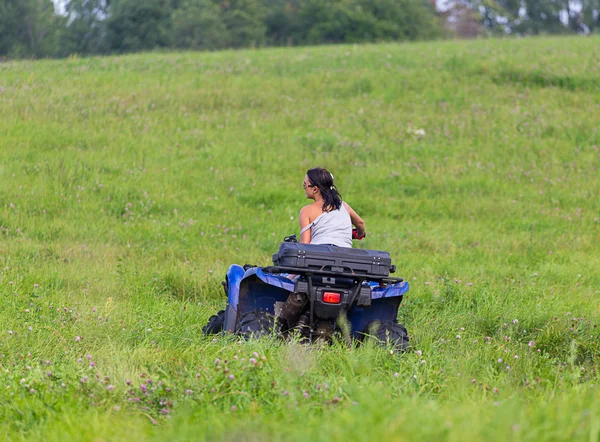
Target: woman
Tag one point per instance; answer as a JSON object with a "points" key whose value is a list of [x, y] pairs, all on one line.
{"points": [[328, 220]]}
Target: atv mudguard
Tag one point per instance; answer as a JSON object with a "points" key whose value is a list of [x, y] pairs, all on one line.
{"points": [[253, 289]]}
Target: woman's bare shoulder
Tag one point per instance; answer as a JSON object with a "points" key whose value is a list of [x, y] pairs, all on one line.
{"points": [[311, 211]]}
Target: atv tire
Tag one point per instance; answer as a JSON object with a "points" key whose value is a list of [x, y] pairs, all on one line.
{"points": [[215, 325], [390, 333], [256, 324]]}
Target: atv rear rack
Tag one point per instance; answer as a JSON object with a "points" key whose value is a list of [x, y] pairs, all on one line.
{"points": [[335, 271]]}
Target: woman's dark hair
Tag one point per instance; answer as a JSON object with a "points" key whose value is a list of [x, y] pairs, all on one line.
{"points": [[323, 179]]}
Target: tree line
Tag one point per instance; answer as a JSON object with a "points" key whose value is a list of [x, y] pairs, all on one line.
{"points": [[529, 17], [42, 28]]}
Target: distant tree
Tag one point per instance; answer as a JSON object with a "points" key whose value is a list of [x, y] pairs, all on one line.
{"points": [[85, 30], [590, 15], [283, 22], [244, 20], [463, 22], [135, 25], [536, 16], [29, 28], [368, 20], [197, 24]]}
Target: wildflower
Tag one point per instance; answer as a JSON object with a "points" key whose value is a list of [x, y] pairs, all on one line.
{"points": [[233, 408], [473, 381], [419, 133], [128, 382], [419, 353], [286, 393], [92, 364], [143, 388], [253, 361], [500, 361], [531, 343], [49, 374], [457, 336], [77, 338], [231, 377], [32, 391], [306, 395], [188, 391], [396, 375]]}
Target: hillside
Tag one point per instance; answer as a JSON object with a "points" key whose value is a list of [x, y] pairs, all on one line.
{"points": [[129, 184]]}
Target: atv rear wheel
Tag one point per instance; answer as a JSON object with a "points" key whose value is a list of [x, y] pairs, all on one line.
{"points": [[256, 324], [390, 333], [215, 325]]}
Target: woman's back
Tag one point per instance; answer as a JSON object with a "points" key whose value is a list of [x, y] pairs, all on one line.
{"points": [[333, 227]]}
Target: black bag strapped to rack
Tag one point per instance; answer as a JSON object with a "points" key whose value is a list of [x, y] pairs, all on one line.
{"points": [[334, 259]]}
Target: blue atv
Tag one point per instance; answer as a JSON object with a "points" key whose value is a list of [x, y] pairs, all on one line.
{"points": [[309, 289]]}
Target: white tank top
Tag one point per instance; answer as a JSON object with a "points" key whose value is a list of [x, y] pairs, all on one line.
{"points": [[333, 227]]}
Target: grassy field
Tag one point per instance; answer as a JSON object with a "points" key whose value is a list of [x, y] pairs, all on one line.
{"points": [[129, 184]]}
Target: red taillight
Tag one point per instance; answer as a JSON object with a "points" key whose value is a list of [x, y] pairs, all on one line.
{"points": [[331, 297]]}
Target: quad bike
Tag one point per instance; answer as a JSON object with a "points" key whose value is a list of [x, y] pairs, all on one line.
{"points": [[309, 290]]}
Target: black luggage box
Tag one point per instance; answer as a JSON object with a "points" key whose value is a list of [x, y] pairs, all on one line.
{"points": [[334, 259]]}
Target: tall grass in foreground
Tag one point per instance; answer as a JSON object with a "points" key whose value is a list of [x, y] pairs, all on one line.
{"points": [[129, 184]]}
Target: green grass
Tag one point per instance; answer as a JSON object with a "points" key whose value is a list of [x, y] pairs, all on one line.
{"points": [[129, 184]]}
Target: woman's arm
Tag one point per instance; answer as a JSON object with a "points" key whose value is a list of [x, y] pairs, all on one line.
{"points": [[304, 221], [356, 220]]}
